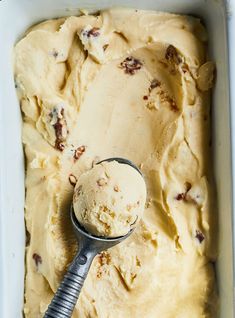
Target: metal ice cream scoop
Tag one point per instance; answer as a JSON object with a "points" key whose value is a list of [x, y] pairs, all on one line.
{"points": [[65, 299]]}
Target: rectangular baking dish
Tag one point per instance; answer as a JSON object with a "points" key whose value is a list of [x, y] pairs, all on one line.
{"points": [[15, 18]]}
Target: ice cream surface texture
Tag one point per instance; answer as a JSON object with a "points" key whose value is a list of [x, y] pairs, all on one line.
{"points": [[132, 84], [109, 199]]}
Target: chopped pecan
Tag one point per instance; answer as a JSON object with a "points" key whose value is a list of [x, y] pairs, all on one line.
{"points": [[172, 55], [104, 258], [60, 125], [72, 179], [131, 65], [37, 258], [185, 68], [148, 203], [183, 195], [94, 32], [101, 182], [55, 54], [173, 105], [99, 273], [197, 193], [78, 152], [164, 97], [116, 188], [180, 196], [59, 145], [200, 236], [188, 186], [105, 47], [154, 83]]}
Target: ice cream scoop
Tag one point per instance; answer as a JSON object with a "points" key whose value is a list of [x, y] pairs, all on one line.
{"points": [[109, 199], [65, 299]]}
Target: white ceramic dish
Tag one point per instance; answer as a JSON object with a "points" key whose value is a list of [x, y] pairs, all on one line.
{"points": [[15, 18]]}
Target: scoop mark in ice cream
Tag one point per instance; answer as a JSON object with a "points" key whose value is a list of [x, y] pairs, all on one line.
{"points": [[131, 65], [37, 258], [205, 76], [78, 152], [200, 236]]}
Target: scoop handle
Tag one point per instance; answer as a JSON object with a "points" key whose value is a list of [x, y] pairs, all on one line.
{"points": [[64, 300]]}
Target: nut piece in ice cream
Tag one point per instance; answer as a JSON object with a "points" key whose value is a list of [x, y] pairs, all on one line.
{"points": [[94, 42], [109, 199]]}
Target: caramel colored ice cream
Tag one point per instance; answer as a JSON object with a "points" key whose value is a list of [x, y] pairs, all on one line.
{"points": [[122, 83], [109, 199]]}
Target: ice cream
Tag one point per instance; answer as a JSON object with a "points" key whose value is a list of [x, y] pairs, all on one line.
{"points": [[132, 84], [109, 199]]}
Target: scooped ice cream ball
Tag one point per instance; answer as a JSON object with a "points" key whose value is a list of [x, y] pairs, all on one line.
{"points": [[109, 199]]}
